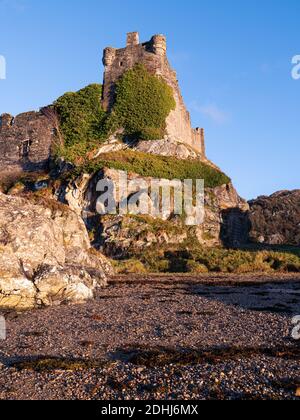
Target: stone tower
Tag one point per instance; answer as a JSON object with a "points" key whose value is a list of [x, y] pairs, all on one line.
{"points": [[153, 55]]}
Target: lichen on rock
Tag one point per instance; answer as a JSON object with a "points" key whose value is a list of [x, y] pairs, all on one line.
{"points": [[45, 252]]}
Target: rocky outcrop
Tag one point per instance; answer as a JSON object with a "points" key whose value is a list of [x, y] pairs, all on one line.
{"points": [[118, 234], [226, 218], [123, 236], [45, 255], [168, 147], [275, 220], [164, 147]]}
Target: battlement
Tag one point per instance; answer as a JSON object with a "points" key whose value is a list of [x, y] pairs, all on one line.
{"points": [[157, 45], [153, 55], [133, 39]]}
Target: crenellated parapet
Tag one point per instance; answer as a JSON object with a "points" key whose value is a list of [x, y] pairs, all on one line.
{"points": [[133, 39]]}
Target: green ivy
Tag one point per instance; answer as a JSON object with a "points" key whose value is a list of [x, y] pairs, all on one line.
{"points": [[81, 120], [143, 103]]}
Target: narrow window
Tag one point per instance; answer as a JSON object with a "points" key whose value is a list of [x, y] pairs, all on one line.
{"points": [[25, 149]]}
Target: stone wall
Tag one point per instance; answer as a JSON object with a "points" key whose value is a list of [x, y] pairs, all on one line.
{"points": [[25, 141], [153, 56]]}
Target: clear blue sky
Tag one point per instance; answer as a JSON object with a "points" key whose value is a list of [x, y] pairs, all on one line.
{"points": [[233, 60]]}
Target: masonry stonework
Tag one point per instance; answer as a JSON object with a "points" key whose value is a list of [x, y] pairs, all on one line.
{"points": [[25, 141], [153, 55]]}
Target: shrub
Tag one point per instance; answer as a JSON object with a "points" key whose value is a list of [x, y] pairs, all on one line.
{"points": [[284, 262], [162, 266], [81, 120], [131, 266], [195, 268], [198, 260], [143, 102], [153, 166], [254, 267]]}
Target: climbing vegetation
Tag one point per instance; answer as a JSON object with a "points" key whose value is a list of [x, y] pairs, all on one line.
{"points": [[143, 103], [81, 121]]}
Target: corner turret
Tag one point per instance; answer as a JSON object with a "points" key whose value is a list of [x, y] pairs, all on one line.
{"points": [[109, 56], [159, 45]]}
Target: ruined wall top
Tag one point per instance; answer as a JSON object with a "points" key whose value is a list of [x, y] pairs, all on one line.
{"points": [[133, 38], [157, 45], [25, 141]]}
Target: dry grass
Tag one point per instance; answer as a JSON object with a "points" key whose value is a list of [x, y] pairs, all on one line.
{"points": [[198, 260]]}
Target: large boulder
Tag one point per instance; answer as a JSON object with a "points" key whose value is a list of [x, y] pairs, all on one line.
{"points": [[45, 255], [275, 220], [168, 147]]}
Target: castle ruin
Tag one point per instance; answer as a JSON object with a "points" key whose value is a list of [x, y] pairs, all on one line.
{"points": [[153, 55], [25, 141]]}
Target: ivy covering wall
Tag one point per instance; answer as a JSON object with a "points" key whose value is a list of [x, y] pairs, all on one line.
{"points": [[143, 103], [81, 121]]}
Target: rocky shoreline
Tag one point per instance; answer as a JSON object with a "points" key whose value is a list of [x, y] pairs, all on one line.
{"points": [[163, 337]]}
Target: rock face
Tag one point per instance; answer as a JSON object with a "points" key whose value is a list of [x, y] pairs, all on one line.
{"points": [[225, 218], [153, 55], [45, 255], [275, 220], [168, 147], [165, 147]]}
